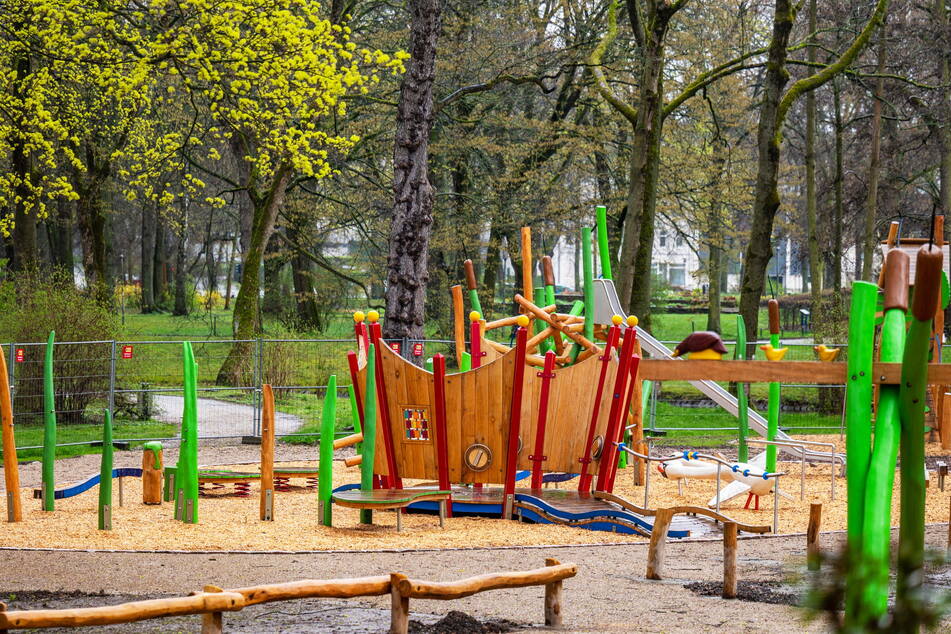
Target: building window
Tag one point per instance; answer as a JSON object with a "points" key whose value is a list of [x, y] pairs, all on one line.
{"points": [[662, 239], [680, 240], [677, 275]]}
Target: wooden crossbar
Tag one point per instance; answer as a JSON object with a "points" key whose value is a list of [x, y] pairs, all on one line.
{"points": [[213, 602], [810, 372]]}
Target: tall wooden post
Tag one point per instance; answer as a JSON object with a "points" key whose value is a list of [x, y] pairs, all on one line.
{"points": [[11, 468], [515, 417], [729, 560], [553, 599], [267, 454], [442, 440], [813, 557]]}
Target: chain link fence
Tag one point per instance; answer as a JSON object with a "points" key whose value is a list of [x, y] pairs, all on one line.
{"points": [[141, 382]]}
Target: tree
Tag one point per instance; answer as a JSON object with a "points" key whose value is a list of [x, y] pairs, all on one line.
{"points": [[773, 110], [407, 264]]}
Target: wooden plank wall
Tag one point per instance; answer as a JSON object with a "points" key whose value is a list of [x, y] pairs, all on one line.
{"points": [[478, 404], [571, 399]]}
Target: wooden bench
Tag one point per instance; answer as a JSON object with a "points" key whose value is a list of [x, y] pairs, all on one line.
{"points": [[385, 499]]}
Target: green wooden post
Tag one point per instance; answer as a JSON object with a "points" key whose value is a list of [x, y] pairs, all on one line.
{"points": [[354, 414], [587, 259], [914, 384], [772, 411], [876, 530], [742, 406], [858, 421], [603, 249], [540, 325], [186, 477], [466, 362], [325, 477], [474, 301], [49, 428], [369, 433], [105, 474]]}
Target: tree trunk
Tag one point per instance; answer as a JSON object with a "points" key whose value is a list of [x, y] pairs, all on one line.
{"points": [[407, 264], [25, 255], [232, 255], [61, 237], [308, 317], [874, 164], [147, 254], [181, 298], [160, 267], [839, 196], [490, 272], [245, 320], [273, 266], [766, 201], [92, 232], [815, 272]]}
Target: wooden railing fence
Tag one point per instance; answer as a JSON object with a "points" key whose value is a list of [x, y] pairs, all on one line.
{"points": [[212, 601]]}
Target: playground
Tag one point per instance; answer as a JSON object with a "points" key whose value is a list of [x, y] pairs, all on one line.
{"points": [[539, 440]]}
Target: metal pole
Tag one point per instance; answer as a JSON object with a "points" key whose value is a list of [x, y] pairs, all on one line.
{"points": [[845, 398], [776, 507], [112, 382], [647, 470], [718, 486], [258, 383], [653, 415], [802, 475]]}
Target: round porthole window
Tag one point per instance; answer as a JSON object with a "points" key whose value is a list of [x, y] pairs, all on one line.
{"points": [[478, 457], [597, 447]]}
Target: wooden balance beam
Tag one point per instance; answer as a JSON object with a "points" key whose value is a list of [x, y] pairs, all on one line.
{"points": [[385, 499]]}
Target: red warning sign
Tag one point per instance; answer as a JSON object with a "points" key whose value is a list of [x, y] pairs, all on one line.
{"points": [[418, 349], [126, 352], [396, 347], [19, 355]]}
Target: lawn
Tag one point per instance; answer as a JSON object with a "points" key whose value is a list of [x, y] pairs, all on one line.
{"points": [[32, 436]]}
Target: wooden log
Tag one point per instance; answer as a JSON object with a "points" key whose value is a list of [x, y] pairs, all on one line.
{"points": [[890, 242], [504, 322], [528, 284], [267, 455], [658, 543], [211, 622], [636, 418], [315, 588], [813, 558], [152, 472], [199, 603], [946, 421], [542, 314], [553, 598], [809, 372], [399, 605], [493, 581], [353, 461], [11, 468], [458, 322], [729, 560], [541, 336], [347, 441]]}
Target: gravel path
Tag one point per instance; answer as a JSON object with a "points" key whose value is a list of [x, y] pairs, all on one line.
{"points": [[609, 594], [221, 418]]}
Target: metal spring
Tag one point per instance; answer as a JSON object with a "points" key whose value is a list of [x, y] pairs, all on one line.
{"points": [[242, 489], [282, 484]]}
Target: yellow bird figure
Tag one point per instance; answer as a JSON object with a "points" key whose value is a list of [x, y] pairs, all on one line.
{"points": [[826, 353], [774, 354], [701, 345]]}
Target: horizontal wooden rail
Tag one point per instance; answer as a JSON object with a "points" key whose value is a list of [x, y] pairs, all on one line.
{"points": [[213, 603], [810, 372], [199, 603], [493, 581], [347, 441], [680, 510], [316, 588]]}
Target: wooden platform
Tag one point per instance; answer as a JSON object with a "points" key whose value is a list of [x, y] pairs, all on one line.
{"points": [[384, 499]]}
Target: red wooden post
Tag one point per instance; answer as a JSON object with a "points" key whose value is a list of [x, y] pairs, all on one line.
{"points": [[354, 375], [537, 458], [515, 419], [442, 441], [475, 341], [393, 480], [614, 417], [584, 482], [616, 456]]}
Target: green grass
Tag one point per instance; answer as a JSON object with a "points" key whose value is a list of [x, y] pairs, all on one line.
{"points": [[32, 435]]}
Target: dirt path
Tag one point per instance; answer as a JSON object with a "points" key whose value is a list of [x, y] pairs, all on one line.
{"points": [[221, 418], [609, 594]]}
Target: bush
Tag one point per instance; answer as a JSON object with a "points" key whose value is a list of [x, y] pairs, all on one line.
{"points": [[32, 304]]}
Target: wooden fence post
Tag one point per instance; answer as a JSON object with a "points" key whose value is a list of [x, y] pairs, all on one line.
{"points": [[813, 559], [211, 621], [945, 421], [399, 610], [729, 560], [553, 599], [655, 552], [3, 608]]}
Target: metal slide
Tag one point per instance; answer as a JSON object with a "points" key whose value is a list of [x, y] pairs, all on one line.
{"points": [[606, 305]]}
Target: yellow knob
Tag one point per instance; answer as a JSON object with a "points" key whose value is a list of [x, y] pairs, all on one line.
{"points": [[474, 316], [632, 321], [616, 320], [373, 316], [359, 316], [522, 321]]}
